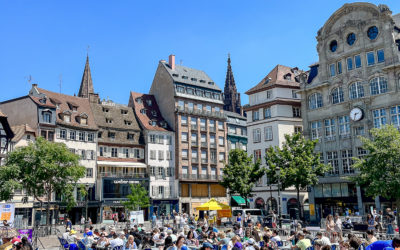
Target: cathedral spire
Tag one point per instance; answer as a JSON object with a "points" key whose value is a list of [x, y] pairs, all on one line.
{"points": [[231, 96], [86, 87]]}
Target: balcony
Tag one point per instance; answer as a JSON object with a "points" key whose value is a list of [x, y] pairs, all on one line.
{"points": [[204, 144], [194, 176], [123, 175], [213, 161], [219, 115], [205, 161], [201, 177], [195, 160], [213, 145], [193, 127], [212, 129]]}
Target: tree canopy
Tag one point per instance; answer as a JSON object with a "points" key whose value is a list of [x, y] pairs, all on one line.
{"points": [[299, 165], [41, 169], [137, 199], [241, 173]]}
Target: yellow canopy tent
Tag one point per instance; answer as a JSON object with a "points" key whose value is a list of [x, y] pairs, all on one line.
{"points": [[222, 209]]}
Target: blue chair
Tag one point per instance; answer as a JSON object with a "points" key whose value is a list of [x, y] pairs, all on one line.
{"points": [[310, 248], [279, 243], [118, 248], [215, 247], [73, 246], [64, 243], [262, 243], [81, 245], [224, 247], [333, 247]]}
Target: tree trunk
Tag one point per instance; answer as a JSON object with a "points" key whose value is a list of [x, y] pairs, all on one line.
{"points": [[48, 210], [298, 201], [397, 209]]}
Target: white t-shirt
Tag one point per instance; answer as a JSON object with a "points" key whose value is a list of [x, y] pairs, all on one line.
{"points": [[71, 239], [65, 235], [177, 219], [276, 238], [116, 242]]}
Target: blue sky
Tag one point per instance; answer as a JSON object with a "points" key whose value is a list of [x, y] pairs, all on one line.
{"points": [[46, 39]]}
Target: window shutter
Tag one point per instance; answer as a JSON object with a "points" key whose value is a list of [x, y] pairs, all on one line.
{"points": [[58, 132]]}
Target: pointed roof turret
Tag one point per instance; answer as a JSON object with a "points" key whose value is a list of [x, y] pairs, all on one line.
{"points": [[229, 80], [86, 87], [231, 96]]}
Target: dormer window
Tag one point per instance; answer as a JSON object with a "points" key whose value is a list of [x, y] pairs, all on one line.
{"points": [[124, 111], [106, 110], [288, 77], [163, 124], [138, 100], [46, 115], [202, 81], [211, 83], [130, 136], [180, 89], [108, 120], [154, 113], [67, 118], [208, 94], [83, 120], [185, 77], [111, 135], [190, 91], [43, 100], [153, 123], [148, 101], [143, 111], [73, 106], [127, 122], [175, 75], [193, 79]]}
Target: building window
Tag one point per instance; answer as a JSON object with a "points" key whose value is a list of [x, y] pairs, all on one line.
{"points": [[380, 54], [46, 117], [184, 136], [268, 92], [349, 63], [378, 85], [221, 141], [332, 159], [99, 134], [83, 120], [257, 135], [102, 150], [316, 130], [181, 104], [357, 60], [168, 155], [296, 112], [395, 115], [379, 117], [89, 172], [257, 155], [184, 120], [298, 129], [190, 106], [208, 108], [63, 134], [332, 69], [370, 58], [356, 90], [333, 46], [221, 156], [81, 136], [372, 32], [83, 154], [344, 125], [136, 153], [153, 154], [337, 95], [152, 138], [256, 115], [160, 155], [347, 161], [267, 113], [339, 67], [220, 125], [180, 89], [169, 139], [351, 38], [72, 135], [108, 120], [268, 133], [199, 106], [67, 118], [114, 152], [130, 136], [91, 137], [315, 101], [361, 152], [330, 129], [294, 94], [359, 131]]}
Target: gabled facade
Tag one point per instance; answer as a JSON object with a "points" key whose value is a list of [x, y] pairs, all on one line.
{"points": [[273, 111], [6, 134], [159, 154], [354, 87], [192, 105]]}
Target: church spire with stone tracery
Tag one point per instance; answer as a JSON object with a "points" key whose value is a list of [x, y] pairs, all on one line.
{"points": [[231, 96]]}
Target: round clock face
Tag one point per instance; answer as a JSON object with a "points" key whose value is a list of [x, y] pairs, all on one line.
{"points": [[356, 114]]}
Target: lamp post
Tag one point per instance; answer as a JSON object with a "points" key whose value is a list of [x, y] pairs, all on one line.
{"points": [[87, 201], [278, 173]]}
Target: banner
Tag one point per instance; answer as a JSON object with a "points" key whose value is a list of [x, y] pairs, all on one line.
{"points": [[7, 212], [137, 216], [26, 232], [224, 213]]}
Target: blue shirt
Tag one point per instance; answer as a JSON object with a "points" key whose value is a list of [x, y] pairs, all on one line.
{"points": [[379, 245]]}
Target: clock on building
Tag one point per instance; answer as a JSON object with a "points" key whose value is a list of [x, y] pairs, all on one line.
{"points": [[356, 114]]}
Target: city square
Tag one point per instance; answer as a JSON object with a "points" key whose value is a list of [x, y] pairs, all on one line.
{"points": [[153, 137]]}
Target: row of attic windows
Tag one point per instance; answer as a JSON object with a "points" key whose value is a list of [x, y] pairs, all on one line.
{"points": [[192, 79]]}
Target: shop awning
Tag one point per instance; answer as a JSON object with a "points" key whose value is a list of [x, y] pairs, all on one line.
{"points": [[240, 200]]}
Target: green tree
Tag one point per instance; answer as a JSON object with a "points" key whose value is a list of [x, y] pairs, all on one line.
{"points": [[41, 169], [241, 173], [299, 165], [379, 170], [137, 199]]}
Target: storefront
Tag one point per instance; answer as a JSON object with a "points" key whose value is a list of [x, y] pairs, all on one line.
{"points": [[164, 206]]}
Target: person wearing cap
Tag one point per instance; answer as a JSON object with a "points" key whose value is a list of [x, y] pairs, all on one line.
{"points": [[250, 244], [88, 239], [66, 234], [112, 233], [302, 243]]}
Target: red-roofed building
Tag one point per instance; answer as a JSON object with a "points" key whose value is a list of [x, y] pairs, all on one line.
{"points": [[160, 146]]}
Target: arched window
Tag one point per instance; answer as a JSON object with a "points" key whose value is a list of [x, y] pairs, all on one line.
{"points": [[378, 85], [46, 115], [315, 101], [356, 90], [337, 95], [259, 203], [272, 205]]}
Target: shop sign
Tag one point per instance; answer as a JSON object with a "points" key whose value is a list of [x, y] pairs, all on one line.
{"points": [[7, 212], [123, 181]]}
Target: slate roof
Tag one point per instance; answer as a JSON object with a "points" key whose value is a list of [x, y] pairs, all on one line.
{"points": [[21, 130], [277, 79], [190, 73], [234, 114], [82, 104], [152, 112]]}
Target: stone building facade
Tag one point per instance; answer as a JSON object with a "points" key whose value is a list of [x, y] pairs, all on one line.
{"points": [[272, 112], [353, 88], [192, 105]]}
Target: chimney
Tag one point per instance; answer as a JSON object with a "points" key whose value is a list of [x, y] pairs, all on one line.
{"points": [[34, 85], [172, 61]]}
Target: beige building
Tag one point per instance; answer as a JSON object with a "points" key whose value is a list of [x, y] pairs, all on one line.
{"points": [[353, 88], [272, 112], [191, 103]]}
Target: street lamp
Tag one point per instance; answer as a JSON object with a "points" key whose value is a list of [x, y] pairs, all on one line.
{"points": [[87, 201], [278, 173]]}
